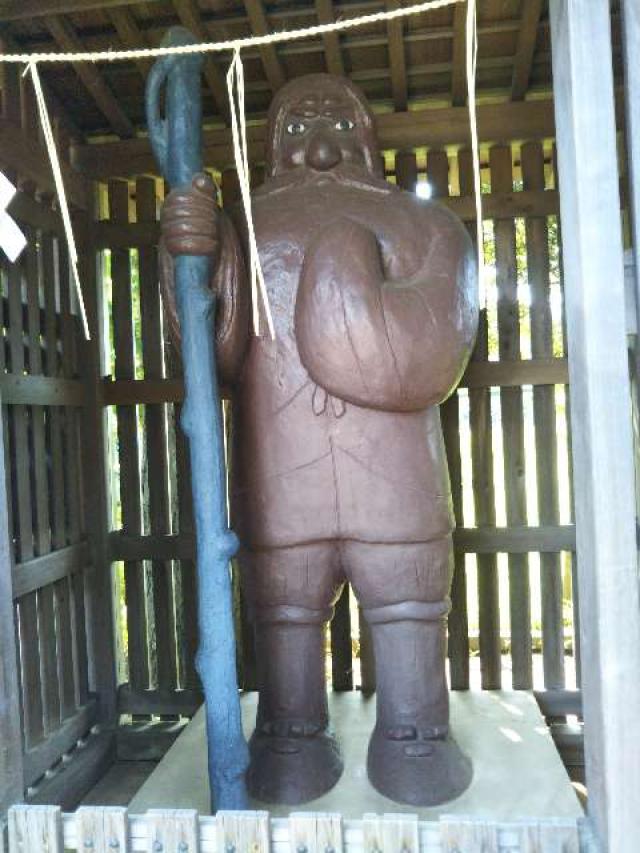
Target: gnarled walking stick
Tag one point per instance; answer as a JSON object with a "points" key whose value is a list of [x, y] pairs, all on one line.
{"points": [[177, 145]]}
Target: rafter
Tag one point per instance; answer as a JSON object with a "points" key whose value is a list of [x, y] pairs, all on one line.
{"points": [[432, 128], [189, 14], [131, 35], [332, 51], [458, 71], [21, 10], [523, 63], [271, 61], [58, 111], [22, 154], [66, 38], [397, 61]]}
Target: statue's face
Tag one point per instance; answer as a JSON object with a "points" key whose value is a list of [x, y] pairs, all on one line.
{"points": [[319, 131], [321, 125]]}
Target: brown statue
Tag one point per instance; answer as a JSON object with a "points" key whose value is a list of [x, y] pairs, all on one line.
{"points": [[339, 470]]}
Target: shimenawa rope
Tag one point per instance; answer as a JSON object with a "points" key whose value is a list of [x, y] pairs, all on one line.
{"points": [[235, 89]]}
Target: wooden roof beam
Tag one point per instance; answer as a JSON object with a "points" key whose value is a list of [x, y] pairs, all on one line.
{"points": [[131, 36], [531, 13], [22, 10], [67, 40], [433, 128], [21, 153], [58, 112], [331, 41], [259, 24], [397, 60], [189, 14], [458, 59]]}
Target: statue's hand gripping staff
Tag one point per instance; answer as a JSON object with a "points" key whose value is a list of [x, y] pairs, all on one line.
{"points": [[177, 145]]}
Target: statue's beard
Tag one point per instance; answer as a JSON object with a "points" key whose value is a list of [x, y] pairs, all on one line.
{"points": [[344, 174]]}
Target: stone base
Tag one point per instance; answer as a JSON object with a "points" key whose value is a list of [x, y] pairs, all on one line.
{"points": [[517, 772]]}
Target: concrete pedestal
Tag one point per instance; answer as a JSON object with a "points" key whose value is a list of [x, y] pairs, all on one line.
{"points": [[517, 770]]}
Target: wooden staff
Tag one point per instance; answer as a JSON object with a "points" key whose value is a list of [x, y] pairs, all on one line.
{"points": [[177, 145]]}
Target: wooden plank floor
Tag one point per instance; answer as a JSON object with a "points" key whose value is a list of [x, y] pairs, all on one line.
{"points": [[119, 784]]}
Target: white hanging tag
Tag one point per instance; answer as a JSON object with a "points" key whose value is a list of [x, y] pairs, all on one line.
{"points": [[12, 240]]}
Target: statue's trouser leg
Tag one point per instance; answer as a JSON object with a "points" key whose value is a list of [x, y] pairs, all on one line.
{"points": [[403, 590], [291, 592]]}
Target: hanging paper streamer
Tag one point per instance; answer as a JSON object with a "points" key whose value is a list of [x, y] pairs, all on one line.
{"points": [[12, 240], [235, 89]]}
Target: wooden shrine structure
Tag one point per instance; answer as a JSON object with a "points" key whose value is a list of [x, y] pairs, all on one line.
{"points": [[97, 591]]}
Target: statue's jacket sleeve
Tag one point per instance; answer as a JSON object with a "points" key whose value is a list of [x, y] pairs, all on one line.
{"points": [[232, 303], [388, 321]]}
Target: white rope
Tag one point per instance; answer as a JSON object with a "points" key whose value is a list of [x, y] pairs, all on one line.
{"points": [[60, 191], [233, 44], [235, 88]]}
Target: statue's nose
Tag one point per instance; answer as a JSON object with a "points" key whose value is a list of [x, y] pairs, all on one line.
{"points": [[322, 152]]}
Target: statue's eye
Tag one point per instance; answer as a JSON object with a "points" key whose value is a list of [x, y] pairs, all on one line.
{"points": [[344, 124], [295, 128]]}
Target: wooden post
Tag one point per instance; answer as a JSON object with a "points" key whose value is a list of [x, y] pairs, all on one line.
{"points": [[601, 415], [631, 46], [99, 585], [11, 774]]}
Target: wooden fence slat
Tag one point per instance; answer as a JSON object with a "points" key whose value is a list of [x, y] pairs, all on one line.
{"points": [[243, 832], [483, 488], [69, 328], [406, 170], [458, 627], [438, 174], [159, 702], [102, 829], [367, 658], [51, 369], [35, 829], [175, 829], [341, 652], [400, 834], [41, 571], [32, 704], [544, 407], [40, 391], [230, 188], [43, 756], [313, 832], [460, 835], [470, 540], [137, 626], [97, 583], [575, 592], [390, 833], [458, 622], [39, 463], [156, 442], [59, 495], [538, 371], [549, 836], [73, 469], [12, 775], [512, 423], [65, 648]]}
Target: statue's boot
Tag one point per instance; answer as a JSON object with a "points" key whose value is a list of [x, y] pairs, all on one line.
{"points": [[294, 756], [412, 756]]}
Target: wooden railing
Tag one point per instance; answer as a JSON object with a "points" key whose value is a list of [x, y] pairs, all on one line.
{"points": [[45, 829]]}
